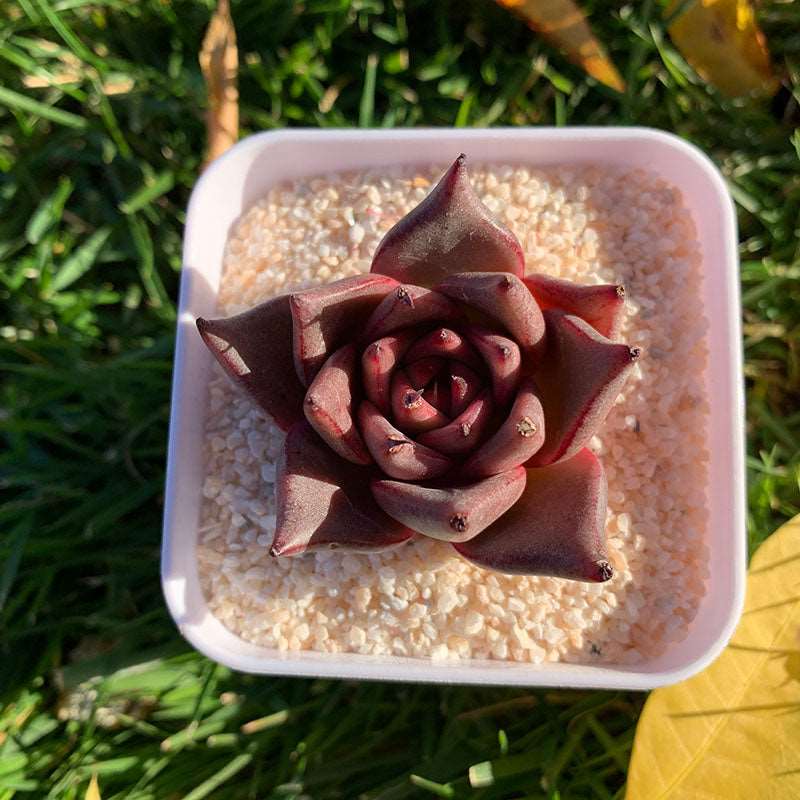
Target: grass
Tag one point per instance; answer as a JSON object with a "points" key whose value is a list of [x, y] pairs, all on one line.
{"points": [[101, 138]]}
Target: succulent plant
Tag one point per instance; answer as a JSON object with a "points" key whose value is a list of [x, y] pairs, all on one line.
{"points": [[445, 393]]}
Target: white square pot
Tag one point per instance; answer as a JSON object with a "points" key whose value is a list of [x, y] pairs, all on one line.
{"points": [[244, 174]]}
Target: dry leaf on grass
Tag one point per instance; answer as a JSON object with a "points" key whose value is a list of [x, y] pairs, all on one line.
{"points": [[93, 790], [219, 61], [723, 43], [733, 731], [563, 24]]}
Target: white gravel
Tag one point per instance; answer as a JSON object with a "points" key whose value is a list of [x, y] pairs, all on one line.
{"points": [[593, 225]]}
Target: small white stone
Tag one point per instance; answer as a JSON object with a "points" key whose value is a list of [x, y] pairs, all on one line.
{"points": [[356, 234], [446, 601], [357, 636], [473, 623]]}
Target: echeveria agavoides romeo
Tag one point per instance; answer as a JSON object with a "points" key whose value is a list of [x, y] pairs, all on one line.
{"points": [[446, 393]]}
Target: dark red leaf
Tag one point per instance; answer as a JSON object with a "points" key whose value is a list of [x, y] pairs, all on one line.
{"points": [[324, 502], [504, 298], [329, 406], [580, 378], [325, 317], [395, 453], [451, 230], [556, 528], [602, 306], [255, 349], [455, 513]]}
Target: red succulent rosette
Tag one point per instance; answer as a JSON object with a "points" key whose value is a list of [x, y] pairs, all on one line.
{"points": [[445, 393]]}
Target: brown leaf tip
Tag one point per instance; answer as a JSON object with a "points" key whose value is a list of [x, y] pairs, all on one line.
{"points": [[458, 522], [404, 295], [526, 427], [635, 352], [461, 160], [396, 444], [412, 398], [621, 291], [604, 570]]}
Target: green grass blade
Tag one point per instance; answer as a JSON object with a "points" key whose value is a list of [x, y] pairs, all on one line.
{"points": [[367, 106], [48, 213], [80, 262], [21, 102], [230, 770], [150, 191]]}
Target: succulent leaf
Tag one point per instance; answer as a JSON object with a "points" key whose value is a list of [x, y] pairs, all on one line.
{"points": [[395, 453], [411, 411], [325, 502], [465, 432], [406, 306], [580, 378], [465, 385], [446, 343], [515, 441], [450, 513], [556, 528], [378, 363], [603, 306], [325, 317], [501, 357], [328, 406], [422, 372], [255, 349], [450, 231], [504, 298]]}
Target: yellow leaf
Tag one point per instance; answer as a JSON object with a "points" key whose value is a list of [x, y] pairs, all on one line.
{"points": [[219, 61], [722, 41], [562, 23], [733, 730], [93, 790]]}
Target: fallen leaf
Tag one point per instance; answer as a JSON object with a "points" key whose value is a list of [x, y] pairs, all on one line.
{"points": [[723, 43], [219, 61], [93, 790], [563, 24], [733, 730]]}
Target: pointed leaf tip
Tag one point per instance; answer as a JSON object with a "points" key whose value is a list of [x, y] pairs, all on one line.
{"points": [[411, 410], [450, 231], [465, 432], [515, 441]]}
